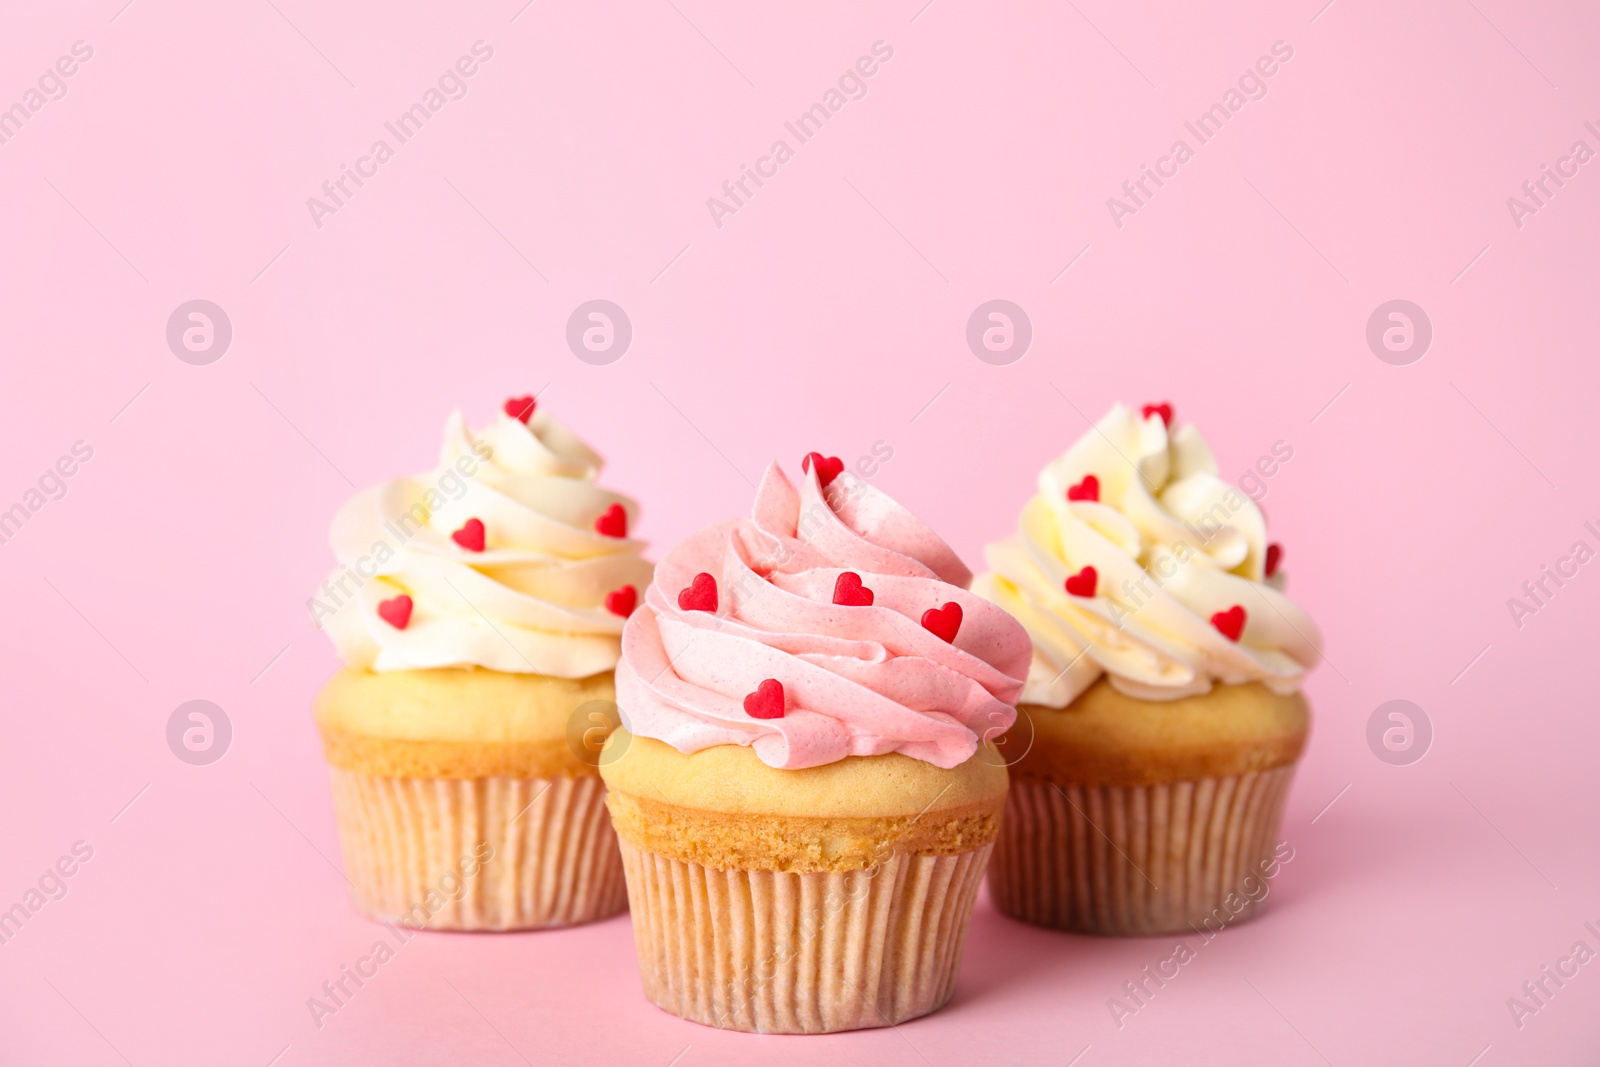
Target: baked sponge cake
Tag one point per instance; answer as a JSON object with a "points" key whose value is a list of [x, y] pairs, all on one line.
{"points": [[1162, 718], [805, 793], [721, 807], [478, 609]]}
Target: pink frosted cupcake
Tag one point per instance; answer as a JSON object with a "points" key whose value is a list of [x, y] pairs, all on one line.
{"points": [[804, 794]]}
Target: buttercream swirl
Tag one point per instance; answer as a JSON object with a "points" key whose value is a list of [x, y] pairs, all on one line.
{"points": [[1138, 562], [523, 589], [857, 679]]}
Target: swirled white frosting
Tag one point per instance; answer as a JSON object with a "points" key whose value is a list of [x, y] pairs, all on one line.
{"points": [[533, 600], [1172, 546]]}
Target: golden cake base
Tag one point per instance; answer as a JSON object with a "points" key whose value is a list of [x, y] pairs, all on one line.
{"points": [[462, 804], [1136, 817], [545, 852], [800, 901], [788, 952]]}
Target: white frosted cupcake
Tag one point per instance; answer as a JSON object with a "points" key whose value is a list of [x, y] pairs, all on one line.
{"points": [[1162, 718], [479, 611]]}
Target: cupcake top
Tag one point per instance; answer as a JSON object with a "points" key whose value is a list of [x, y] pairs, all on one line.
{"points": [[506, 556], [830, 623], [1136, 561]]}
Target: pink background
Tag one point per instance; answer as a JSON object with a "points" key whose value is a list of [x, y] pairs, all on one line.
{"points": [[828, 313]]}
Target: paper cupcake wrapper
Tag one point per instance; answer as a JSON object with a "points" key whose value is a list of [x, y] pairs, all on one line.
{"points": [[478, 853], [1138, 859], [801, 953]]}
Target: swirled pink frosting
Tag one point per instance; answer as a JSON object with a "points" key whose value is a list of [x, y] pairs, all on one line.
{"points": [[858, 681]]}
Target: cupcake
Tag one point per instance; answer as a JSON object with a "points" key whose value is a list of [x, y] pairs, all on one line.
{"points": [[1162, 717], [479, 611], [804, 791]]}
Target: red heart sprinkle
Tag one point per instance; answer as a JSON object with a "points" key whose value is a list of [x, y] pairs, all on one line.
{"points": [[1274, 558], [396, 612], [1229, 623], [520, 408], [828, 467], [766, 702], [1162, 409], [470, 536], [1083, 583], [943, 622], [613, 522], [848, 590], [622, 601], [701, 595], [1088, 489]]}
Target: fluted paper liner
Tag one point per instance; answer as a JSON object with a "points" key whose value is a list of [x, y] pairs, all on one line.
{"points": [[801, 953], [1136, 859], [551, 856]]}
